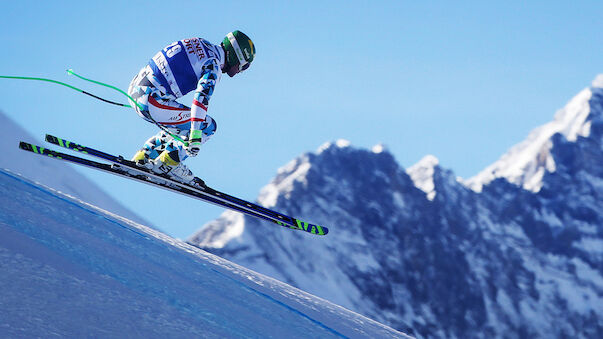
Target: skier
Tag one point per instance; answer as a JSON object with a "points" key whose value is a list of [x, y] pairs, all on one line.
{"points": [[181, 67]]}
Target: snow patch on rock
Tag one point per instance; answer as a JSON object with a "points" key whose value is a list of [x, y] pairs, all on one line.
{"points": [[598, 82], [422, 175]]}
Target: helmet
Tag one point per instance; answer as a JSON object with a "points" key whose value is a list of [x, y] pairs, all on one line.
{"points": [[240, 52]]}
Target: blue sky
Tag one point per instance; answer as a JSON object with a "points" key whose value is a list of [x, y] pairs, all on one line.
{"points": [[462, 80]]}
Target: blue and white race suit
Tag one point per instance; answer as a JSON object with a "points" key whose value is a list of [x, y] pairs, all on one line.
{"points": [[179, 68]]}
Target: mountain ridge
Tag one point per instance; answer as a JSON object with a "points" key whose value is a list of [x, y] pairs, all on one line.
{"points": [[423, 252], [525, 163]]}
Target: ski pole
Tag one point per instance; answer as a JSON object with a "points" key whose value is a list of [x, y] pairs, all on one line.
{"points": [[67, 85], [70, 71]]}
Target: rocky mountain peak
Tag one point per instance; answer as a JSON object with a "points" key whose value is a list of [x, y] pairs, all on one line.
{"points": [[526, 163], [422, 175]]}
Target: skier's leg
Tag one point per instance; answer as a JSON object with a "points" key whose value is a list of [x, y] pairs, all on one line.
{"points": [[175, 152], [139, 90], [151, 149], [162, 153], [170, 161], [152, 103]]}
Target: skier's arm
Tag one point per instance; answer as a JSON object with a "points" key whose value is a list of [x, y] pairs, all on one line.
{"points": [[205, 87]]}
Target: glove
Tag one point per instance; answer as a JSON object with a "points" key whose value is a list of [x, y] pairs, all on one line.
{"points": [[194, 143]]}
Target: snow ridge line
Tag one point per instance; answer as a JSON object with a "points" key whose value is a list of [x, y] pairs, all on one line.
{"points": [[73, 202]]}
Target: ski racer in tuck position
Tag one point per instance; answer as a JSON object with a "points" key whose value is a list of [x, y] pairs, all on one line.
{"points": [[181, 67]]}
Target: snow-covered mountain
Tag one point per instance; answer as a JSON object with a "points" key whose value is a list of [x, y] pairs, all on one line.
{"points": [[54, 174], [69, 269], [526, 163], [516, 252]]}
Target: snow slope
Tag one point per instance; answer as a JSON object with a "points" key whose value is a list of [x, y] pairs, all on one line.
{"points": [[57, 175], [69, 269]]}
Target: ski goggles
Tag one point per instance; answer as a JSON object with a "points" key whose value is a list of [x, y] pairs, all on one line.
{"points": [[234, 69]]}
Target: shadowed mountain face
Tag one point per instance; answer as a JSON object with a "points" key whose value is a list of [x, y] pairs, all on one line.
{"points": [[516, 251]]}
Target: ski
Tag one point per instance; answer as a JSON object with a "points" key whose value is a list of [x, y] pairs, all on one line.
{"points": [[108, 168], [205, 193]]}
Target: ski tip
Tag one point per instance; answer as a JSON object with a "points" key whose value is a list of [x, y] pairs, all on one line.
{"points": [[324, 230], [311, 228], [25, 146], [51, 138]]}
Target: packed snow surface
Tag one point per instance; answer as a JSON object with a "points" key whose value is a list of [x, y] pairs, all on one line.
{"points": [[58, 175], [69, 269]]}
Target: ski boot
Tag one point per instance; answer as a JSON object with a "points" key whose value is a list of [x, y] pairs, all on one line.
{"points": [[175, 170], [141, 159]]}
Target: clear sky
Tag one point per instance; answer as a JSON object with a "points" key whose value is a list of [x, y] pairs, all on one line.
{"points": [[461, 80]]}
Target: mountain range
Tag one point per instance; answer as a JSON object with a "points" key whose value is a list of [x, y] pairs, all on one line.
{"points": [[514, 252]]}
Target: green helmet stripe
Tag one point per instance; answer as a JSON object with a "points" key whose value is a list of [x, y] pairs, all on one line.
{"points": [[237, 49]]}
